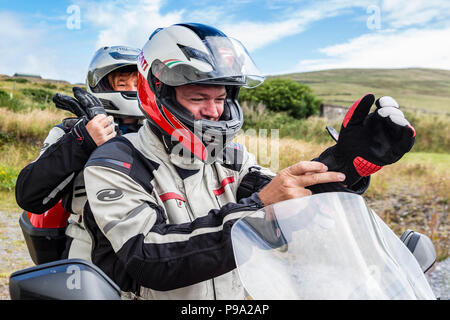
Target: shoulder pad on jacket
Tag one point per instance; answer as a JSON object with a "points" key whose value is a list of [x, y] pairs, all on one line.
{"points": [[120, 154]]}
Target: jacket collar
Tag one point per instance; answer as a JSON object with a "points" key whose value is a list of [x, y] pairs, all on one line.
{"points": [[152, 144]]}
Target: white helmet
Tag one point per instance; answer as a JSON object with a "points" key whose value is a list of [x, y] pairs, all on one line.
{"points": [[121, 104], [192, 53]]}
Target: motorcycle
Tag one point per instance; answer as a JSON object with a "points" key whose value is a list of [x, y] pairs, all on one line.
{"points": [[325, 246]]}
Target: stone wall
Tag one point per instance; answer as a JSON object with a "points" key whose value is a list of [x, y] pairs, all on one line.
{"points": [[332, 112]]}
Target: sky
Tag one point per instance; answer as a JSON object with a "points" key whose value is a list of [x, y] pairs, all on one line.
{"points": [[57, 39]]}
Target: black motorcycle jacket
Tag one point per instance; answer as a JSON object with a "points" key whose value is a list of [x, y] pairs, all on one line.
{"points": [[43, 182]]}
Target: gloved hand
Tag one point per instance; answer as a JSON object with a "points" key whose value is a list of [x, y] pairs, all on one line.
{"points": [[367, 142], [84, 104], [92, 116]]}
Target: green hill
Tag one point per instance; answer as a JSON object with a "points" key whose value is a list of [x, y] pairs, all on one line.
{"points": [[420, 89]]}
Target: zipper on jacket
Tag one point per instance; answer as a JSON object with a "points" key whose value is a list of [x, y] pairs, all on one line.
{"points": [[180, 184], [189, 210], [217, 177]]}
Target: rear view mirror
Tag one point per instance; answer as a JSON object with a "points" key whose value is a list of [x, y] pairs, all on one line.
{"points": [[70, 279], [421, 247]]}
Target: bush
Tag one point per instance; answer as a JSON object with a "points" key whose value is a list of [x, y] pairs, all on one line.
{"points": [[49, 85], [311, 129], [18, 80], [8, 177], [283, 95], [38, 95], [12, 104], [432, 131]]}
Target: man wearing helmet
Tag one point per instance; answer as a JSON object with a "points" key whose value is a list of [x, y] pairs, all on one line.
{"points": [[55, 178], [161, 202]]}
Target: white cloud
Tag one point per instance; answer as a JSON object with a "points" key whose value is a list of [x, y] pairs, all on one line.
{"points": [[129, 23], [414, 33], [36, 48], [21, 46], [428, 48], [396, 45], [407, 13], [296, 18], [258, 35]]}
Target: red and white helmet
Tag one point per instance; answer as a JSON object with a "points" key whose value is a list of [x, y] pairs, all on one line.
{"points": [[193, 54]]}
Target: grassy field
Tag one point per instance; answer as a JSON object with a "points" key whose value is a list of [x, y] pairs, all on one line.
{"points": [[417, 89]]}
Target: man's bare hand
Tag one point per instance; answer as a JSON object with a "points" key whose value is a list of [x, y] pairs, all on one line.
{"points": [[101, 128], [290, 182]]}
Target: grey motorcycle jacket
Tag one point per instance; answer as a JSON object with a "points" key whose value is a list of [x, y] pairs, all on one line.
{"points": [[161, 223]]}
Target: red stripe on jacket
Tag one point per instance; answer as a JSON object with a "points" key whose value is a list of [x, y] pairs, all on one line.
{"points": [[224, 183], [171, 195]]}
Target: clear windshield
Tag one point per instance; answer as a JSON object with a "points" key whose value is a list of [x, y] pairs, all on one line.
{"points": [[326, 246], [219, 60]]}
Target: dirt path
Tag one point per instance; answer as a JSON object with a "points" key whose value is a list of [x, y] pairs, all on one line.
{"points": [[13, 250]]}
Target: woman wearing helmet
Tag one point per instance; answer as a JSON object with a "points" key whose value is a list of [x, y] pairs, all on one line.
{"points": [[161, 202], [55, 180]]}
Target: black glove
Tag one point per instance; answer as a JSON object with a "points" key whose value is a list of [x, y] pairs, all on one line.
{"points": [[84, 104], [367, 142]]}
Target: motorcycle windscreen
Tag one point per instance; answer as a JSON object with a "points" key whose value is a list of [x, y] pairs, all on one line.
{"points": [[325, 246]]}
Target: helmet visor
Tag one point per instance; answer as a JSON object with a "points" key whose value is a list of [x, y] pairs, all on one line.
{"points": [[218, 60], [106, 61]]}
